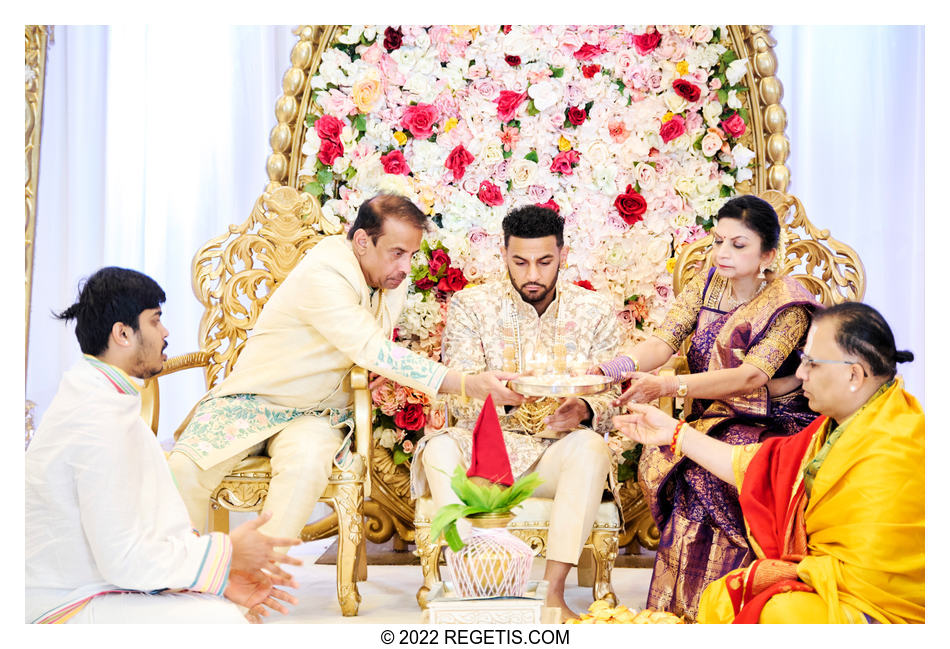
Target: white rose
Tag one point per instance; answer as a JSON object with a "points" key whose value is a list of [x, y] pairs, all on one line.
{"points": [[492, 152], [311, 143], [516, 42], [545, 94], [633, 147], [742, 155], [352, 35], [684, 219], [711, 112], [728, 180], [646, 176], [732, 101], [596, 152], [685, 185], [421, 86], [657, 249], [340, 164], [736, 71], [522, 173], [674, 102], [386, 437], [711, 144], [702, 34], [422, 40]]}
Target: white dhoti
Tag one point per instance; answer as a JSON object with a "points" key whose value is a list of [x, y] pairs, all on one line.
{"points": [[167, 608], [574, 473]]}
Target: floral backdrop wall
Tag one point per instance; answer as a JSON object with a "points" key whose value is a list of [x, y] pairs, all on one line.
{"points": [[632, 133]]}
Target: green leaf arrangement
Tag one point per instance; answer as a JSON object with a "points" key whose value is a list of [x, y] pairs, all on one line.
{"points": [[478, 499]]}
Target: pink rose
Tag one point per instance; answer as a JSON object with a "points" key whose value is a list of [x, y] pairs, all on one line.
{"points": [[489, 194], [646, 43], [715, 84], [539, 193], [702, 34], [563, 162], [388, 397], [419, 120], [508, 103], [395, 163], [458, 160], [329, 127], [734, 126], [407, 446], [673, 128], [329, 151]]}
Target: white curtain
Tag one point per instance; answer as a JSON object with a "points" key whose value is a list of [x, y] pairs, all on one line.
{"points": [[855, 103], [155, 139]]}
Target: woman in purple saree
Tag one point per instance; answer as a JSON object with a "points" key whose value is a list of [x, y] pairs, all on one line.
{"points": [[746, 323]]}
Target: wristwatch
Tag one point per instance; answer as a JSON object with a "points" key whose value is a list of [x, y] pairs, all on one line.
{"points": [[681, 389]]}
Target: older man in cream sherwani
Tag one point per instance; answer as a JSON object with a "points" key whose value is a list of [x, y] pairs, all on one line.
{"points": [[288, 395]]}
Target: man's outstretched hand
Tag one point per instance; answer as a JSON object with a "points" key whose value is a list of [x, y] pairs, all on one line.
{"points": [[253, 551]]}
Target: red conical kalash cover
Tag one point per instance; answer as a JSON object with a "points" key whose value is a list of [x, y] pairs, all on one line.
{"points": [[489, 455]]}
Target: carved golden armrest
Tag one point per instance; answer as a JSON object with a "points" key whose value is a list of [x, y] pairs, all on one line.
{"points": [[150, 395]]}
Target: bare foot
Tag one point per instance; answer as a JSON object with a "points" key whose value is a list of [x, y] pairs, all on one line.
{"points": [[566, 612]]}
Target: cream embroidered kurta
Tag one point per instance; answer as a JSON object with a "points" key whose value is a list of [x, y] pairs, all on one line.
{"points": [[321, 321], [474, 341], [102, 511]]}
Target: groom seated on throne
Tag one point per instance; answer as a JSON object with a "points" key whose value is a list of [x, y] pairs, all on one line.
{"points": [[509, 324]]}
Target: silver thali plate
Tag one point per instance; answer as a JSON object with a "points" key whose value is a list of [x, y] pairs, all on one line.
{"points": [[560, 385]]}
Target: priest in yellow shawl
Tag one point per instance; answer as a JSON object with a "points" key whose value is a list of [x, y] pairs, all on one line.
{"points": [[835, 513]]}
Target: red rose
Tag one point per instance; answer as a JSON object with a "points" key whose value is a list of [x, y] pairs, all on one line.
{"points": [[587, 52], [440, 260], [505, 29], [590, 70], [734, 126], [631, 206], [395, 163], [585, 284], [508, 102], [563, 162], [551, 205], [686, 90], [512, 60], [392, 39], [411, 417], [420, 119], [673, 128], [330, 150], [646, 43], [458, 160], [424, 283], [453, 281], [576, 116], [329, 127], [490, 194]]}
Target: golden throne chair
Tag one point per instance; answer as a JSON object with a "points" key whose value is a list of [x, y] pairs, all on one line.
{"points": [[232, 276], [831, 270]]}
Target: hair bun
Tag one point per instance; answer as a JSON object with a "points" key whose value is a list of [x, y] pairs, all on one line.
{"points": [[904, 356]]}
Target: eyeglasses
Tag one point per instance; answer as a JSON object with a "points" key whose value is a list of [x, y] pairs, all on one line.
{"points": [[809, 363]]}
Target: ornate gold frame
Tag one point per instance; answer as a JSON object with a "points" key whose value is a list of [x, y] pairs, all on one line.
{"points": [[37, 41]]}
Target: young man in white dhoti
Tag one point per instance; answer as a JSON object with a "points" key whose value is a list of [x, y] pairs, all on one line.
{"points": [[108, 537], [288, 396], [502, 325]]}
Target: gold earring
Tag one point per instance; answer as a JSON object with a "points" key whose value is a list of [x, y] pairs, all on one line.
{"points": [[761, 272]]}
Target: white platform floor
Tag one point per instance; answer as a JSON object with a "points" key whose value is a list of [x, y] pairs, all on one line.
{"points": [[389, 594]]}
